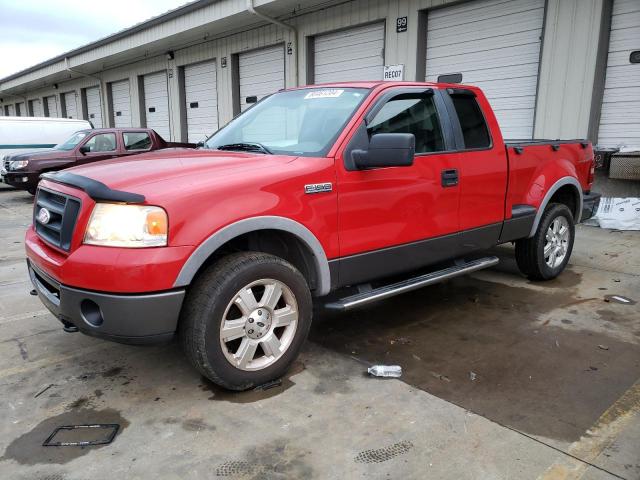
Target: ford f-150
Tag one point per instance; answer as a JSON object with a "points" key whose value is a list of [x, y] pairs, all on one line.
{"points": [[359, 190]]}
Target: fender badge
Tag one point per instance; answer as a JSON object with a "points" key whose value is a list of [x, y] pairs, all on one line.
{"points": [[44, 216], [318, 187]]}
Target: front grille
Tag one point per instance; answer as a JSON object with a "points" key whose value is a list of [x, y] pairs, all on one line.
{"points": [[63, 213]]}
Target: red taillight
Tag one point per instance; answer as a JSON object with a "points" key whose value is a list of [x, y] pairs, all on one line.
{"points": [[592, 172]]}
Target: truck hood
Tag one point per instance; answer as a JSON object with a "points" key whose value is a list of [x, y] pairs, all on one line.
{"points": [[155, 172], [44, 154]]}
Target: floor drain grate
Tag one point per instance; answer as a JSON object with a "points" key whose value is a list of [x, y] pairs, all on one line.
{"points": [[233, 468], [380, 455]]}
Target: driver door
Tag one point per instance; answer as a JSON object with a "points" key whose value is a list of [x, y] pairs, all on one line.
{"points": [[397, 219], [101, 147]]}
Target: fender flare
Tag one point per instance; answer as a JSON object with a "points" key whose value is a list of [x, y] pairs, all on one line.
{"points": [[545, 201], [222, 236]]}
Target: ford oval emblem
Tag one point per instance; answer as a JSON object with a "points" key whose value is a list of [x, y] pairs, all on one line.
{"points": [[44, 216]]}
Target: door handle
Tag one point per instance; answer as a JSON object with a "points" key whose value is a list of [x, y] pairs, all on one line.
{"points": [[450, 178]]}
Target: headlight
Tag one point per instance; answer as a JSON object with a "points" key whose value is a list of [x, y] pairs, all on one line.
{"points": [[18, 164], [133, 226]]}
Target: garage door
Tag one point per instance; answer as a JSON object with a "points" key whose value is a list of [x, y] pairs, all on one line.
{"points": [[121, 99], [201, 100], [349, 55], [620, 116], [10, 111], [495, 44], [156, 103], [36, 108], [94, 106], [20, 110], [52, 106], [261, 73], [70, 105]]}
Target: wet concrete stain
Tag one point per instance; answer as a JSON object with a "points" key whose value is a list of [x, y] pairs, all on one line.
{"points": [[277, 459], [533, 378], [28, 450], [189, 424], [254, 395]]}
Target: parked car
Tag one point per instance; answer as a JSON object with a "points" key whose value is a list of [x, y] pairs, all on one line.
{"points": [[311, 191], [29, 134], [85, 146]]}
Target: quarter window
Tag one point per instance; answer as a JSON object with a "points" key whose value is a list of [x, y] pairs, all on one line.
{"points": [[103, 142], [474, 128], [411, 113], [136, 141]]}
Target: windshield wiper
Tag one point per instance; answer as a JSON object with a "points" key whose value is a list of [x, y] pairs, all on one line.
{"points": [[247, 147]]}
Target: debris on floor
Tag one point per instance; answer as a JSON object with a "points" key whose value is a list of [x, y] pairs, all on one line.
{"points": [[617, 213], [618, 299], [473, 376], [385, 371], [439, 376]]}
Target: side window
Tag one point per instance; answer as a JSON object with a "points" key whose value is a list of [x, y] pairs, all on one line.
{"points": [[136, 141], [411, 113], [474, 128], [103, 142]]}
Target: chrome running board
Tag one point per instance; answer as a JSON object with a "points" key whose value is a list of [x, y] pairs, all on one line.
{"points": [[386, 291]]}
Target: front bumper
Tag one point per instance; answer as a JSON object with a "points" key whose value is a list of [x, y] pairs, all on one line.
{"points": [[22, 180], [590, 203], [131, 318]]}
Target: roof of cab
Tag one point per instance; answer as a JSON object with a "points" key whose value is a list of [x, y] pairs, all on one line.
{"points": [[374, 84]]}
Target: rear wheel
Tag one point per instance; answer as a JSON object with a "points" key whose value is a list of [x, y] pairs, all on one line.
{"points": [[545, 255], [245, 320]]}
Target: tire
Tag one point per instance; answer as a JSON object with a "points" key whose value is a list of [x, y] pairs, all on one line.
{"points": [[223, 293], [530, 252], [32, 190]]}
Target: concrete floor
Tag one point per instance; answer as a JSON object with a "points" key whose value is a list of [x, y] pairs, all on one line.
{"points": [[555, 394]]}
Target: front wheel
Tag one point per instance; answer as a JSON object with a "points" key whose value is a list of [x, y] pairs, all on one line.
{"points": [[245, 320], [545, 255]]}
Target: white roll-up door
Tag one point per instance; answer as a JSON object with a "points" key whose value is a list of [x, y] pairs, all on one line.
{"points": [[94, 106], [620, 115], [156, 103], [52, 106], [261, 73], [495, 44], [36, 107], [201, 99], [21, 111], [11, 111], [349, 55], [71, 106], [121, 99]]}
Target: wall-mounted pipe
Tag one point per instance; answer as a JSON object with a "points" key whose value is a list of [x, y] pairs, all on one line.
{"points": [[291, 28], [101, 86]]}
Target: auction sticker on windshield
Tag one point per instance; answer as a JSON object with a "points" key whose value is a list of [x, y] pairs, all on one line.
{"points": [[324, 93]]}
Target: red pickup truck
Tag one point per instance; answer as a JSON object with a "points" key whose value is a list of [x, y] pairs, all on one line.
{"points": [[23, 170], [362, 190]]}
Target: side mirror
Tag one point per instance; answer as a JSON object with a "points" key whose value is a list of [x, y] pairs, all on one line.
{"points": [[84, 149], [387, 150], [200, 144]]}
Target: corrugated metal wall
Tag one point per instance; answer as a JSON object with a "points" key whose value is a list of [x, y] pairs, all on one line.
{"points": [[567, 66]]}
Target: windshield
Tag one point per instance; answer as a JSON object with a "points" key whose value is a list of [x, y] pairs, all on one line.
{"points": [[302, 122], [75, 139]]}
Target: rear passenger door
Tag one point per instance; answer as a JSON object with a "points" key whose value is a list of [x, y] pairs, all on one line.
{"points": [[397, 219], [136, 142], [483, 169]]}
